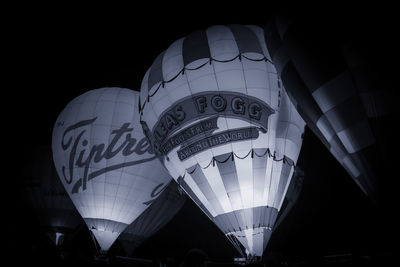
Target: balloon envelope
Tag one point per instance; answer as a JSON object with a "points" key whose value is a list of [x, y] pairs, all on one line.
{"points": [[161, 211], [105, 162], [217, 116], [339, 95], [292, 194]]}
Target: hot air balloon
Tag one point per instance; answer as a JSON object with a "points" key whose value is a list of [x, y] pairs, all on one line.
{"points": [[336, 92], [161, 211], [213, 109], [105, 162], [43, 192]]}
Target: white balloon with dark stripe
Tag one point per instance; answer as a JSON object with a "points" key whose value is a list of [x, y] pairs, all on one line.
{"points": [[223, 126], [105, 162]]}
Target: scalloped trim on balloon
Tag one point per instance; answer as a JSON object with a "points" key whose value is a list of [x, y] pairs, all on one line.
{"points": [[232, 155], [182, 71]]}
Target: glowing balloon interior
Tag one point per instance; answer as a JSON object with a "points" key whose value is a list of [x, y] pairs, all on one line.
{"points": [[216, 114], [105, 162]]}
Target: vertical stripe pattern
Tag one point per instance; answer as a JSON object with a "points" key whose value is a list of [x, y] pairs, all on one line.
{"points": [[238, 184]]}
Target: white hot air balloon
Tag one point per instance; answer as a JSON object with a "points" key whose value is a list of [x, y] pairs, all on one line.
{"points": [[215, 112], [105, 162]]}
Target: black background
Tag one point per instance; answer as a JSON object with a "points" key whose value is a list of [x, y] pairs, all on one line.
{"points": [[56, 55]]}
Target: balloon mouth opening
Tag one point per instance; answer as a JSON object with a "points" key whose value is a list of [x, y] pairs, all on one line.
{"points": [[237, 233], [244, 241]]}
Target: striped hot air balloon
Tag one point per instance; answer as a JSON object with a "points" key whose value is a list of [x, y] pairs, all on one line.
{"points": [[339, 96], [219, 119]]}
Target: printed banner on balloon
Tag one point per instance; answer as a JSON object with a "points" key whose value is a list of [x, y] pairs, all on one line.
{"points": [[203, 105], [217, 140], [99, 152]]}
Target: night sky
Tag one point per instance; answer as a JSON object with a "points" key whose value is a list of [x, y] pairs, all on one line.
{"points": [[62, 56]]}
